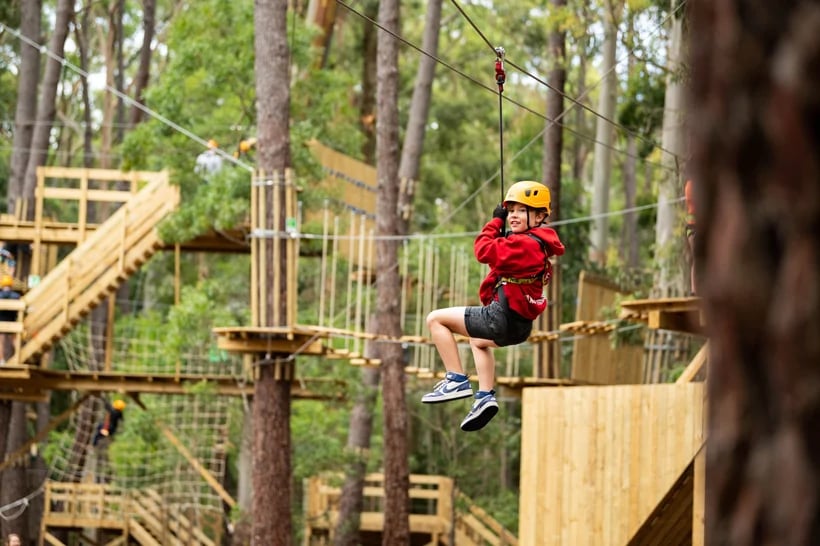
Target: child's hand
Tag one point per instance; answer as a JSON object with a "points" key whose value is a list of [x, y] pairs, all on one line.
{"points": [[500, 212]]}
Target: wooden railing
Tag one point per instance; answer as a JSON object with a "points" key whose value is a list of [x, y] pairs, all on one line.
{"points": [[94, 269], [141, 514], [432, 512]]}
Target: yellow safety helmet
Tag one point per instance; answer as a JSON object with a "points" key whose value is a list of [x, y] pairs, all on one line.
{"points": [[212, 144], [530, 193], [119, 404], [6, 280]]}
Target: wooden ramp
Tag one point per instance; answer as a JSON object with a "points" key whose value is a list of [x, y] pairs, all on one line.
{"points": [[94, 269], [596, 462]]}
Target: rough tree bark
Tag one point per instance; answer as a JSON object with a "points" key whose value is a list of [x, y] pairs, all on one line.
{"points": [[599, 233], [755, 119], [669, 278], [26, 109], [149, 8], [367, 104], [388, 285], [361, 418], [548, 353], [272, 468], [47, 105]]}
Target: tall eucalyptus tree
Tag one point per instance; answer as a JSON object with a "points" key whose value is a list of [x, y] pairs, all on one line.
{"points": [[361, 418], [272, 466], [388, 284]]}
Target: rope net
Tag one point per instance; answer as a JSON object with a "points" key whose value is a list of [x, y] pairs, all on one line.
{"points": [[166, 448]]}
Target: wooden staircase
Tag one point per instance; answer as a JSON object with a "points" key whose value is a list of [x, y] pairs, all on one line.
{"points": [[434, 519], [93, 270]]}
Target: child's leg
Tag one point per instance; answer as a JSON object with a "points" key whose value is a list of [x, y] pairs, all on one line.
{"points": [[484, 362], [442, 324]]}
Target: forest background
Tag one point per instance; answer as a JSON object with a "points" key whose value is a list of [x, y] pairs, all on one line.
{"points": [[621, 155]]}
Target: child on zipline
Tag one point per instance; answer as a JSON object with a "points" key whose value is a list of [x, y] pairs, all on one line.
{"points": [[511, 294]]}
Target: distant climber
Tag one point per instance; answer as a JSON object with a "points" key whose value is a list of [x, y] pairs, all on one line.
{"points": [[245, 148], [209, 161], [113, 416]]}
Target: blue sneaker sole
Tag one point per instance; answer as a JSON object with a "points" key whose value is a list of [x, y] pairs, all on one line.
{"points": [[479, 420], [439, 398]]}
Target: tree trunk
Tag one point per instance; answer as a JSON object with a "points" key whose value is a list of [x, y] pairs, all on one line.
{"points": [[754, 117], [361, 419], [630, 250], [599, 233], [579, 148], [417, 119], [367, 103], [46, 106], [13, 478], [81, 34], [107, 38], [149, 8], [26, 110], [668, 242], [548, 353], [358, 444], [388, 286], [272, 469]]}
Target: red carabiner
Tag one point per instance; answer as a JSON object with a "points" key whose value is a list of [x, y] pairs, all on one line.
{"points": [[500, 75]]}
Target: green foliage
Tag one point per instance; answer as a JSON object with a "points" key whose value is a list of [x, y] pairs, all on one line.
{"points": [[219, 202], [642, 107]]}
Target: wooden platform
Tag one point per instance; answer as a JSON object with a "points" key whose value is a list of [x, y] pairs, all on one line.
{"points": [[679, 314], [308, 340], [31, 383]]}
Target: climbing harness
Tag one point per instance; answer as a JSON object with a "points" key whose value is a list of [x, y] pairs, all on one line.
{"points": [[545, 275]]}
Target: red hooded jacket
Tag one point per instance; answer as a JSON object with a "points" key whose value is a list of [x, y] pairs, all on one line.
{"points": [[518, 256]]}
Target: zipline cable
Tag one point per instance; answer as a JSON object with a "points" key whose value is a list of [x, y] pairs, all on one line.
{"points": [[123, 96], [573, 100], [490, 89]]}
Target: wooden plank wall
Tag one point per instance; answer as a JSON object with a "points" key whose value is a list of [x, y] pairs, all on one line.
{"points": [[594, 359], [352, 184], [595, 461]]}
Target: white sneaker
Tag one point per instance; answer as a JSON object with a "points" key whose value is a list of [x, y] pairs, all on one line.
{"points": [[449, 388]]}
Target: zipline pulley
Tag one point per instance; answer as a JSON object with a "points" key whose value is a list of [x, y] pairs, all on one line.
{"points": [[500, 75]]}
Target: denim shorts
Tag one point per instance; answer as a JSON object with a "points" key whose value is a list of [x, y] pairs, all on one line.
{"points": [[497, 322]]}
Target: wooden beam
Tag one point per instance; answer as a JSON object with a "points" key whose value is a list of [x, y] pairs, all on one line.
{"points": [[695, 366], [699, 500], [679, 321], [273, 346]]}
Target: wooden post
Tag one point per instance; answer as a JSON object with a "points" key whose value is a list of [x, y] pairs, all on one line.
{"points": [[38, 222], [109, 331], [333, 265], [276, 228], [699, 500], [323, 269], [254, 249]]}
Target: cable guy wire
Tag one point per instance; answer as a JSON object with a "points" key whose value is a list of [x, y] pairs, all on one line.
{"points": [[156, 115]]}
